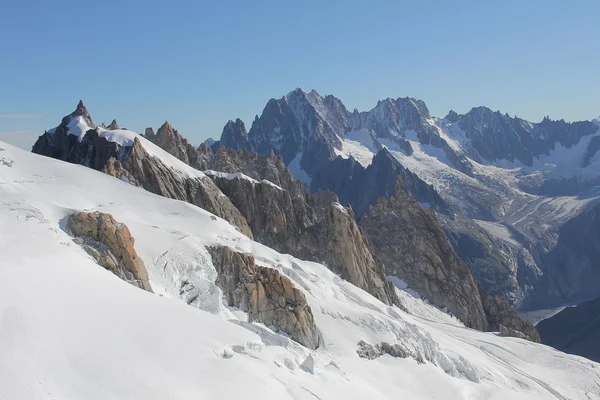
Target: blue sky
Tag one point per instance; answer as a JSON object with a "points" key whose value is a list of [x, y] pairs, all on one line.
{"points": [[198, 64]]}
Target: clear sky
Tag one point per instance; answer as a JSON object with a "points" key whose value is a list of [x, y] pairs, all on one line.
{"points": [[198, 64]]}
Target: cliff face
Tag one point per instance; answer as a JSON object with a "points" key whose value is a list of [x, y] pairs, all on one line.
{"points": [[412, 245]]}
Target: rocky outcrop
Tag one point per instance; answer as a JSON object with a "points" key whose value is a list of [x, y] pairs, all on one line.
{"points": [[110, 243], [265, 294], [234, 136], [412, 245], [503, 318]]}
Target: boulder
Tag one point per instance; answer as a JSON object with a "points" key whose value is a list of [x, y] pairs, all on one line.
{"points": [[110, 243]]}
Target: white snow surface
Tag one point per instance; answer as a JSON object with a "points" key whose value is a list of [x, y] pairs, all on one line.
{"points": [[358, 145], [239, 175], [230, 176], [71, 330], [297, 172]]}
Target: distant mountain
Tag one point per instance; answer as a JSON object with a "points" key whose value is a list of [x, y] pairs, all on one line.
{"points": [[503, 187], [574, 330]]}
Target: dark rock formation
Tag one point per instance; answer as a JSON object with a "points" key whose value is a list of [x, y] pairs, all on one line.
{"points": [[503, 318], [265, 294], [361, 187], [574, 330], [234, 136], [110, 243]]}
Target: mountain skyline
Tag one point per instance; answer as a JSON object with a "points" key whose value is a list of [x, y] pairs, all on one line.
{"points": [[25, 138], [199, 65]]}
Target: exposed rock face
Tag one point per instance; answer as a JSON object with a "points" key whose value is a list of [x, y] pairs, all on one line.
{"points": [[133, 164], [361, 187], [503, 137], [171, 141], [412, 245], [311, 227], [110, 243], [501, 315], [265, 294], [113, 125], [574, 330], [234, 136]]}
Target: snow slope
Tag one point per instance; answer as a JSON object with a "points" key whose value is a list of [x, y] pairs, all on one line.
{"points": [[72, 330]]}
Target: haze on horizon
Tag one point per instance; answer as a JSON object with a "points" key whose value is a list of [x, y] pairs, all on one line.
{"points": [[198, 65]]}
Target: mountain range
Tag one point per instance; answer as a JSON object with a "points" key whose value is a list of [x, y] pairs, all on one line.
{"points": [[516, 199], [331, 253]]}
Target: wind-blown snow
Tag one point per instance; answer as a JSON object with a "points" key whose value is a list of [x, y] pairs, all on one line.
{"points": [[239, 175], [70, 329]]}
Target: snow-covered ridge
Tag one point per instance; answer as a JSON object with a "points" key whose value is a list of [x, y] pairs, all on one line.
{"points": [[126, 138], [65, 320], [239, 175]]}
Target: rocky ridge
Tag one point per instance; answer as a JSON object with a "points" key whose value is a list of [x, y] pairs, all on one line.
{"points": [[133, 163]]}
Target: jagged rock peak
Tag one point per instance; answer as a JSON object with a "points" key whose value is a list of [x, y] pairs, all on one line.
{"points": [[235, 135], [237, 125], [166, 127], [452, 116], [149, 134], [81, 111], [113, 125]]}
